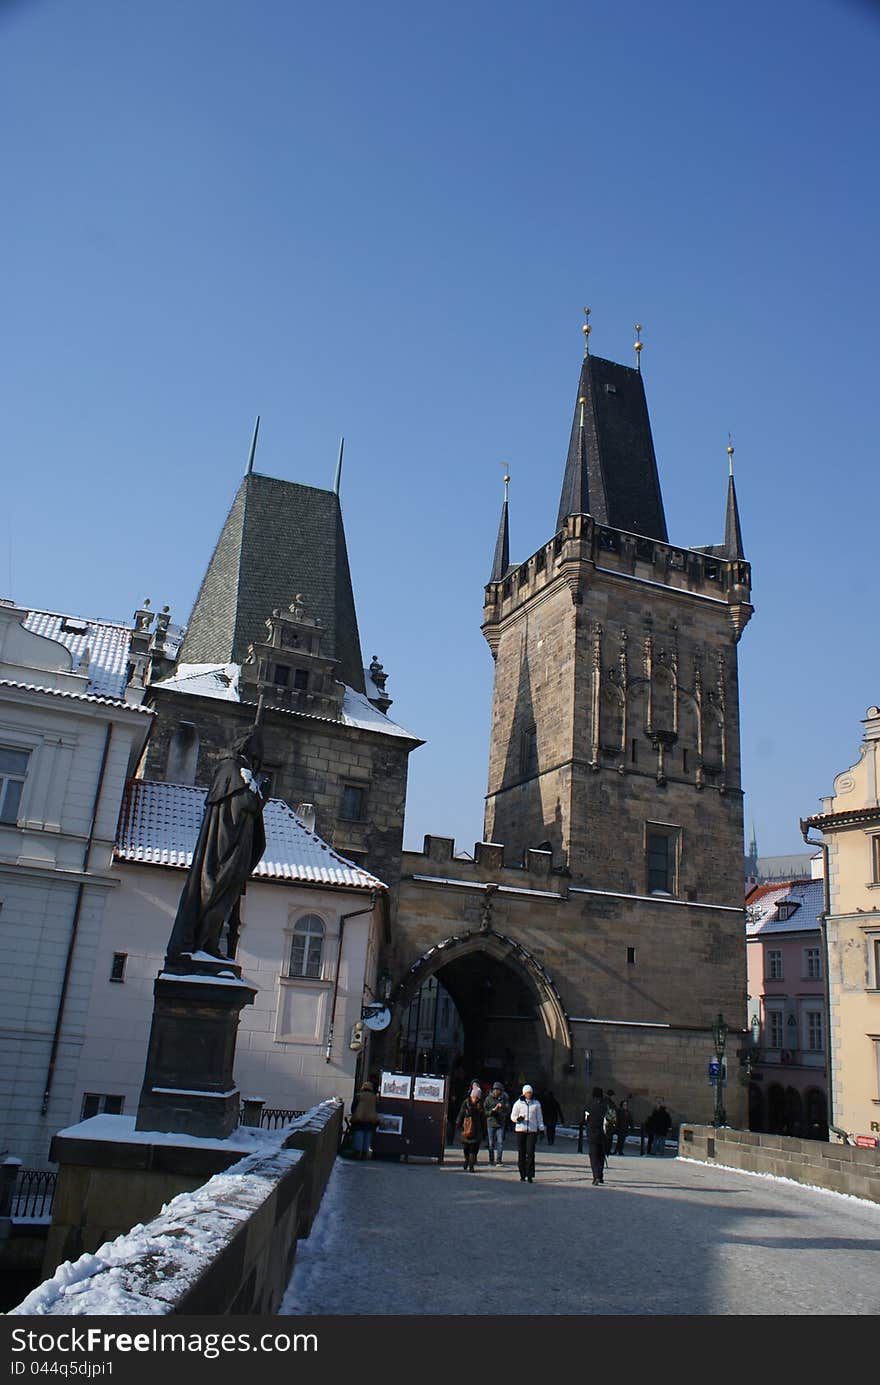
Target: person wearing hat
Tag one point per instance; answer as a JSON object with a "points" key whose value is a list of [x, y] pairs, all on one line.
{"points": [[528, 1122], [471, 1121], [364, 1120], [497, 1108]]}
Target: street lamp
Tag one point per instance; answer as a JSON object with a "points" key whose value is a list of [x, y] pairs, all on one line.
{"points": [[719, 1038]]}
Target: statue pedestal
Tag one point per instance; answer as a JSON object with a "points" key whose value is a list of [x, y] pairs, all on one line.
{"points": [[188, 1084]]}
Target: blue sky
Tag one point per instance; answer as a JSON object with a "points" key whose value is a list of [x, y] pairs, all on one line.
{"points": [[384, 222]]}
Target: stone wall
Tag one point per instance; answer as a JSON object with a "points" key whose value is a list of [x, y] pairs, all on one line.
{"points": [[839, 1168], [226, 1248]]}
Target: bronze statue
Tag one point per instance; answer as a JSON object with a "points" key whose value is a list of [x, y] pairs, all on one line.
{"points": [[230, 845]]}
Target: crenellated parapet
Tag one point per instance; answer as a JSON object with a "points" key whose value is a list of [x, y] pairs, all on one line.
{"points": [[582, 548]]}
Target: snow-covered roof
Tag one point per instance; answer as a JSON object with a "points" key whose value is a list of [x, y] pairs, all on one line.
{"points": [[204, 680], [159, 825], [107, 642], [222, 681], [76, 697], [762, 907]]}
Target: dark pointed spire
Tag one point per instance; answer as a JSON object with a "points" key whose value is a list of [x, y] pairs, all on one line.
{"points": [[501, 561], [611, 470], [733, 542], [253, 451]]}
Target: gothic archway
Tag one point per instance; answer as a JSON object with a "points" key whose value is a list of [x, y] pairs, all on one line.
{"points": [[513, 1022]]}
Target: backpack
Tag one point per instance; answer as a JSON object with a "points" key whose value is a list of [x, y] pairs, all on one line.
{"points": [[609, 1120]]}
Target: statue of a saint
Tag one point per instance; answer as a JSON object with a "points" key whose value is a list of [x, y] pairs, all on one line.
{"points": [[230, 846]]}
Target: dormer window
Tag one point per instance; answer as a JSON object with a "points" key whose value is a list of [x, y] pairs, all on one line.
{"points": [[786, 909]]}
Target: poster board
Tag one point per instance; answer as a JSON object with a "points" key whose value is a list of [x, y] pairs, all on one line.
{"points": [[412, 1115]]}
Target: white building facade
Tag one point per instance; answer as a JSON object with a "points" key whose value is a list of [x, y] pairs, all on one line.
{"points": [[311, 926], [69, 739]]}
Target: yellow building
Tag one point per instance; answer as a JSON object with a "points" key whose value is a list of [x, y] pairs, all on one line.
{"points": [[850, 836]]}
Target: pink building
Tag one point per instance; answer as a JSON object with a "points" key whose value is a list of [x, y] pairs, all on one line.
{"points": [[788, 1088]]}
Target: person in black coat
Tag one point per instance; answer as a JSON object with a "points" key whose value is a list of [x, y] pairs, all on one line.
{"points": [[552, 1113], [471, 1121], [624, 1125], [595, 1129]]}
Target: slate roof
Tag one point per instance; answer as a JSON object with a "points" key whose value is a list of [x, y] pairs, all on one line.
{"points": [[222, 681], [107, 642], [159, 824], [280, 539], [611, 470], [762, 902]]}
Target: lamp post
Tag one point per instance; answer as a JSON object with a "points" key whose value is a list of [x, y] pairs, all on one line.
{"points": [[719, 1038]]}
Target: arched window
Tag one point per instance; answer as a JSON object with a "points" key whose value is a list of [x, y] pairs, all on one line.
{"points": [[306, 948]]}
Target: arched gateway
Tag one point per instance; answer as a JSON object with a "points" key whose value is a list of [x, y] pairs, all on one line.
{"points": [[482, 1000]]}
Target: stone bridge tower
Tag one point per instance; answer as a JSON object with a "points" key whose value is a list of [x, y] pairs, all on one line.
{"points": [[615, 722]]}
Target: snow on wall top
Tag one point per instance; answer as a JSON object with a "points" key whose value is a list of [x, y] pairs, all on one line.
{"points": [[221, 681]]}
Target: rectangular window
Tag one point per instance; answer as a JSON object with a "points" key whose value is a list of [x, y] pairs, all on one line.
{"points": [[815, 1031], [776, 1028], [773, 964], [13, 772], [630, 956], [874, 957], [528, 751], [354, 799], [875, 860], [100, 1104], [281, 675], [661, 858], [812, 964], [301, 679], [117, 970]]}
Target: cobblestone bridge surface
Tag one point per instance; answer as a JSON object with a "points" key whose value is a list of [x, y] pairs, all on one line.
{"points": [[663, 1236]]}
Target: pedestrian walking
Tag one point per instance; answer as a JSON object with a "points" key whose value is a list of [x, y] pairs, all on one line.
{"points": [[471, 1121], [497, 1108], [552, 1113], [648, 1132], [364, 1120], [624, 1125], [528, 1121], [610, 1123], [594, 1119], [662, 1126]]}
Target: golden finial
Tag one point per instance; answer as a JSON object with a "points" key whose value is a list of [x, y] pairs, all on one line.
{"points": [[586, 329], [729, 454], [582, 401], [506, 481], [637, 346]]}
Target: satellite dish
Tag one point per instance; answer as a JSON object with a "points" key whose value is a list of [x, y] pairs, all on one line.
{"points": [[377, 1017]]}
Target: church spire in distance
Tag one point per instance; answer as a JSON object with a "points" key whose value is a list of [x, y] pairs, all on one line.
{"points": [[501, 561]]}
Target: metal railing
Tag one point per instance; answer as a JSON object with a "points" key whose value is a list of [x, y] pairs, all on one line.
{"points": [[33, 1194], [271, 1117]]}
